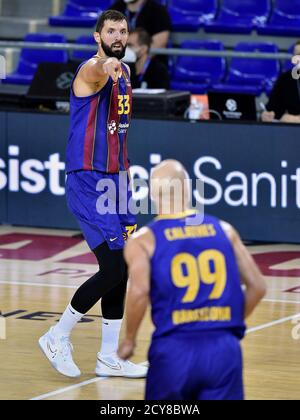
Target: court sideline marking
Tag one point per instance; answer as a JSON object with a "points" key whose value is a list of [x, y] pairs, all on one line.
{"points": [[81, 384], [68, 388], [75, 386], [91, 381], [66, 286], [271, 324], [20, 283]]}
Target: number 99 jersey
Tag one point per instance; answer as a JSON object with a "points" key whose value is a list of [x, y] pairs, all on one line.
{"points": [[195, 283]]}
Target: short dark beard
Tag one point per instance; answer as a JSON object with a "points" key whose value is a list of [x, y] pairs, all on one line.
{"points": [[110, 53]]}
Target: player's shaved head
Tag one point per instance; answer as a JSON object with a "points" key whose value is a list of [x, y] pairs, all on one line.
{"points": [[170, 188], [169, 169]]}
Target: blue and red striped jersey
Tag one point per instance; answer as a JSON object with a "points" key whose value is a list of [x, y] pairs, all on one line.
{"points": [[99, 127]]}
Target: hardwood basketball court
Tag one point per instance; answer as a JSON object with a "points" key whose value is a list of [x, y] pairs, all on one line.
{"points": [[39, 272]]}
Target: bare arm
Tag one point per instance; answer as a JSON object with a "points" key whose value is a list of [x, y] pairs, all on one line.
{"points": [[97, 70], [249, 272], [138, 260], [160, 40], [94, 74]]}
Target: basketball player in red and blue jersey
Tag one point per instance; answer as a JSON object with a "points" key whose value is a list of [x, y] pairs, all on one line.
{"points": [[100, 108], [192, 274]]}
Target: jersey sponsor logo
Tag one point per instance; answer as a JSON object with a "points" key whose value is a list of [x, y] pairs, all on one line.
{"points": [[112, 127], [123, 128]]}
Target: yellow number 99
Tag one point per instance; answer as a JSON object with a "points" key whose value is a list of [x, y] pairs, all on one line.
{"points": [[197, 270], [216, 277], [189, 280]]}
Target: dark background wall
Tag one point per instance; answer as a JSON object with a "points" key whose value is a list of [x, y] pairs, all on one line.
{"points": [[231, 156]]}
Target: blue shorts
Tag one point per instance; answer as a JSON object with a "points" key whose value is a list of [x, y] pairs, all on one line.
{"points": [[86, 202], [183, 367]]}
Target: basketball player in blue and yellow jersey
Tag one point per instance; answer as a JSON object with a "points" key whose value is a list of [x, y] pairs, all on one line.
{"points": [[193, 275], [101, 108]]}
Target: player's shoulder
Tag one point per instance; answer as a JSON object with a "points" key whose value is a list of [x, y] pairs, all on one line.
{"points": [[142, 239], [85, 64], [127, 68], [143, 234], [230, 231], [90, 61]]}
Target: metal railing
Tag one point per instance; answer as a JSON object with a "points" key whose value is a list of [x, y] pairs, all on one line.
{"points": [[157, 51]]}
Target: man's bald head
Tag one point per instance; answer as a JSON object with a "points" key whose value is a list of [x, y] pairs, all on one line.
{"points": [[169, 169], [170, 188]]}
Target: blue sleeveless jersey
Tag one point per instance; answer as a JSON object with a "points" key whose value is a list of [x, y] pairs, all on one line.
{"points": [[195, 283], [99, 127]]}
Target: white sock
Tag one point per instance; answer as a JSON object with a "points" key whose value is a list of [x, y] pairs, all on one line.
{"points": [[67, 322], [110, 335]]}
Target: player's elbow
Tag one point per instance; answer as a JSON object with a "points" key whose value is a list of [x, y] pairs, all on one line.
{"points": [[263, 291], [138, 293], [260, 288]]}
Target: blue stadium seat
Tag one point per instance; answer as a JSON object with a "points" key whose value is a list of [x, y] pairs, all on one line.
{"points": [[80, 13], [284, 21], [84, 55], [197, 74], [240, 16], [252, 75], [189, 15], [30, 58]]}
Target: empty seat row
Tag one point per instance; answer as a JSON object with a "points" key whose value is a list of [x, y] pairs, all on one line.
{"points": [[84, 13], [80, 13], [217, 16], [279, 18], [197, 74], [30, 58], [243, 75]]}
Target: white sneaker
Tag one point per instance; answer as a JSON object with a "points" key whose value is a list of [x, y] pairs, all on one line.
{"points": [[58, 351], [112, 365]]}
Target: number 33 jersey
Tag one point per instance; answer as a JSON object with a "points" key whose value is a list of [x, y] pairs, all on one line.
{"points": [[99, 127], [195, 283]]}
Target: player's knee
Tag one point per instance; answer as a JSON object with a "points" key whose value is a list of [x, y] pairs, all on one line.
{"points": [[114, 265], [107, 257]]}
